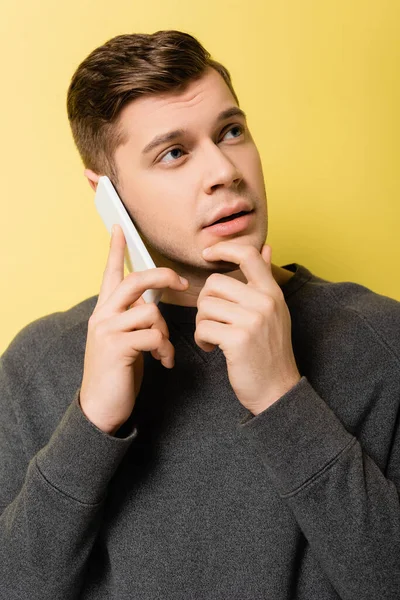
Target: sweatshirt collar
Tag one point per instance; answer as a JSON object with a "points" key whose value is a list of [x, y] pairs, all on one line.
{"points": [[187, 314]]}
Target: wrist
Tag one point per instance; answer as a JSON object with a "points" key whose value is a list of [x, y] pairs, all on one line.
{"points": [[105, 425]]}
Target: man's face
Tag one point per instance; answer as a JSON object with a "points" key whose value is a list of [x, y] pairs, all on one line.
{"points": [[173, 190]]}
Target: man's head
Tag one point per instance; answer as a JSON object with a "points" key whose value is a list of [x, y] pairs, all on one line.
{"points": [[138, 87]]}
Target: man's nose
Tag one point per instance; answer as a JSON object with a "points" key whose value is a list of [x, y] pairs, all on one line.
{"points": [[220, 170]]}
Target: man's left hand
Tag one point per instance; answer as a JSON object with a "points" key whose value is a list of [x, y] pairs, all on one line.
{"points": [[251, 324]]}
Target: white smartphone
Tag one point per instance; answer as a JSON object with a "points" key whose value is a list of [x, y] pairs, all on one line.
{"points": [[112, 211]]}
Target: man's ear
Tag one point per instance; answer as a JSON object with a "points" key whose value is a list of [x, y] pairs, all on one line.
{"points": [[93, 178]]}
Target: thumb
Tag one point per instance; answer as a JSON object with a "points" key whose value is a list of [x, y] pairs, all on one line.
{"points": [[266, 253]]}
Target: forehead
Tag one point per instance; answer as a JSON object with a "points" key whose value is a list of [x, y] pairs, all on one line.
{"points": [[150, 115]]}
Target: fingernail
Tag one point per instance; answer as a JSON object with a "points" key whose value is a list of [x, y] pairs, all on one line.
{"points": [[183, 280], [113, 230]]}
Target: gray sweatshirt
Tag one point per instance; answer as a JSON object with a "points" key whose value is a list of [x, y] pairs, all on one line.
{"points": [[194, 497]]}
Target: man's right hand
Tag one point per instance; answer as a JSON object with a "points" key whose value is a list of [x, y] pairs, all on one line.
{"points": [[120, 328]]}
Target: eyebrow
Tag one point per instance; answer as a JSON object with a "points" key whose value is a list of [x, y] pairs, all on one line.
{"points": [[164, 138]]}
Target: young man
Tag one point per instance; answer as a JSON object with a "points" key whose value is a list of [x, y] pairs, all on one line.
{"points": [[263, 461]]}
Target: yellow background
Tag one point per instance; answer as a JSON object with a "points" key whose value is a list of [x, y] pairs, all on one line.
{"points": [[319, 81]]}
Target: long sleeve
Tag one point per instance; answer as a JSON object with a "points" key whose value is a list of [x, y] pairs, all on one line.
{"points": [[51, 505], [346, 507]]}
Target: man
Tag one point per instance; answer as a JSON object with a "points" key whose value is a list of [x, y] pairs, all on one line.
{"points": [[264, 460]]}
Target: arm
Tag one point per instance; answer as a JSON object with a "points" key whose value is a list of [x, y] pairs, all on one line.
{"points": [[347, 509], [51, 505]]}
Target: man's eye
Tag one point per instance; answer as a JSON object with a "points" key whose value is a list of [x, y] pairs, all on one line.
{"points": [[169, 152], [236, 127], [180, 149]]}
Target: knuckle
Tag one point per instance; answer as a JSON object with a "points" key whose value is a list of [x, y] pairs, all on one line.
{"points": [[132, 277], [153, 309], [270, 304], [280, 297], [93, 321], [257, 321], [100, 329], [158, 336], [213, 278], [200, 331]]}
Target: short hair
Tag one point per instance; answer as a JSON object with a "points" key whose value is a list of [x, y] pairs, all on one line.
{"points": [[126, 67]]}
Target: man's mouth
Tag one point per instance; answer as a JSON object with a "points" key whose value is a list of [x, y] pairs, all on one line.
{"points": [[231, 217], [231, 224]]}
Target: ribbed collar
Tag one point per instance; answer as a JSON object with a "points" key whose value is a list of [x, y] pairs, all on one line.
{"points": [[187, 314]]}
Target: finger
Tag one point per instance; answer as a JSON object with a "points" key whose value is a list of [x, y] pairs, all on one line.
{"points": [[143, 317], [253, 266], [135, 284], [142, 341], [114, 270], [149, 316], [228, 301]]}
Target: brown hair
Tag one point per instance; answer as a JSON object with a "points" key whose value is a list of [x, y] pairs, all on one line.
{"points": [[124, 68]]}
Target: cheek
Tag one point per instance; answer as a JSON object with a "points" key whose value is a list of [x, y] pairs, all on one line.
{"points": [[255, 163], [251, 166]]}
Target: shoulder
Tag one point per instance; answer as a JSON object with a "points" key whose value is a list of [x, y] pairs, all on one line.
{"points": [[346, 315], [42, 368], [43, 335], [378, 314]]}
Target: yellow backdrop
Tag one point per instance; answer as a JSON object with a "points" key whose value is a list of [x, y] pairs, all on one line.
{"points": [[318, 80]]}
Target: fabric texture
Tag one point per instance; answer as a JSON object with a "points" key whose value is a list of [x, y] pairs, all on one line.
{"points": [[194, 497]]}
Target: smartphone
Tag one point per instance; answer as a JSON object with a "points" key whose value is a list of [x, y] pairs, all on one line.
{"points": [[112, 211]]}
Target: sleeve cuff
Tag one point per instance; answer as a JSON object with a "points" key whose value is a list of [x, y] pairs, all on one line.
{"points": [[80, 458], [296, 437]]}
